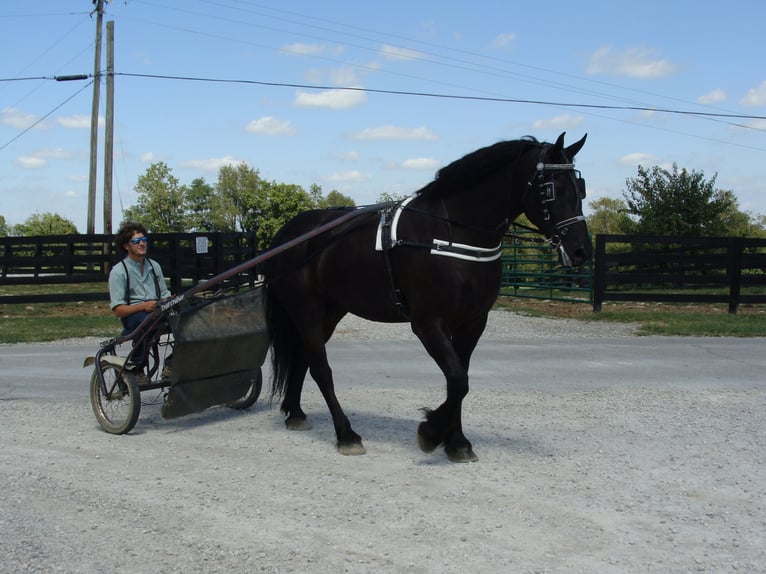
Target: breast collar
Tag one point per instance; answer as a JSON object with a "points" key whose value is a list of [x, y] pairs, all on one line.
{"points": [[387, 237]]}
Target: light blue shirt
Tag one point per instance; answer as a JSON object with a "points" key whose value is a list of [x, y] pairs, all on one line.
{"points": [[142, 286]]}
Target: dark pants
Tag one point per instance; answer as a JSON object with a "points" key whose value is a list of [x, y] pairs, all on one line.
{"points": [[130, 324]]}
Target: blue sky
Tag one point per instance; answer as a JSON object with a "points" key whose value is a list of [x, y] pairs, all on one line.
{"points": [[686, 56]]}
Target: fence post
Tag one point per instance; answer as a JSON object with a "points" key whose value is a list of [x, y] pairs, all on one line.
{"points": [[735, 251], [599, 272]]}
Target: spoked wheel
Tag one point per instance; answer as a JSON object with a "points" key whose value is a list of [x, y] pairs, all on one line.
{"points": [[252, 394], [117, 404]]}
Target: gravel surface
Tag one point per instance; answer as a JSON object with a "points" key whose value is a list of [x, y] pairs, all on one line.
{"points": [[621, 478]]}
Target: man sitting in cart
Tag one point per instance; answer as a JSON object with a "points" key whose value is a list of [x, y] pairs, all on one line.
{"points": [[136, 283]]}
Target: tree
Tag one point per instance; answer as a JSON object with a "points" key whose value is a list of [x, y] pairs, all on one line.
{"points": [[236, 204], [337, 199], [160, 201], [608, 216], [275, 204], [387, 197], [663, 202], [45, 224], [4, 230], [199, 202]]}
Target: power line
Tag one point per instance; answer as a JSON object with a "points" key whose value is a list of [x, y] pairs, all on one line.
{"points": [[5, 145], [447, 96]]}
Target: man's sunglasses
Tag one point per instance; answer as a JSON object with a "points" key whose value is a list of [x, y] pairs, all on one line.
{"points": [[137, 240]]}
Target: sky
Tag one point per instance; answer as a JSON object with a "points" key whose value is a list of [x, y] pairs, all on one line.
{"points": [[369, 98]]}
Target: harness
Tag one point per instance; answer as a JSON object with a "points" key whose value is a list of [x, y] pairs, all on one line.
{"points": [[127, 279], [387, 238], [547, 191]]}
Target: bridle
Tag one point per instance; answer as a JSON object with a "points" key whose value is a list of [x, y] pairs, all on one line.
{"points": [[543, 182]]}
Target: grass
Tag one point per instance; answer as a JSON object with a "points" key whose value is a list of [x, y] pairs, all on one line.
{"points": [[56, 321], [688, 320]]}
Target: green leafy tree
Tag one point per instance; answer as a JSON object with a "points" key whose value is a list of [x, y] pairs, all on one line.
{"points": [[274, 205], [608, 216], [45, 224], [160, 204], [387, 197], [4, 229], [674, 202], [199, 205], [337, 199], [237, 192]]}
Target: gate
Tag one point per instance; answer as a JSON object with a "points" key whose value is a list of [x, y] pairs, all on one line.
{"points": [[531, 269]]}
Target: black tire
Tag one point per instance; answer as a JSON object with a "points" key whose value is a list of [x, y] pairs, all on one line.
{"points": [[252, 394], [118, 405]]}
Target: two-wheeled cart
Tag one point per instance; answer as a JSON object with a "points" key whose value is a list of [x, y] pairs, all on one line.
{"points": [[217, 336]]}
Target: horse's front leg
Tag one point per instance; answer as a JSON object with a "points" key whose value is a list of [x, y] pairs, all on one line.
{"points": [[444, 424]]}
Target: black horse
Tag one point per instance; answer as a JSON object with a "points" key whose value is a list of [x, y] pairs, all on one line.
{"points": [[432, 259]]}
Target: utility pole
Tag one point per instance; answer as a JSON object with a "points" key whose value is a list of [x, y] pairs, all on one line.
{"points": [[94, 119], [109, 128]]}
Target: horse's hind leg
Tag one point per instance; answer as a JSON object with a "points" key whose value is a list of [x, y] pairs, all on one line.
{"points": [[291, 404], [349, 443]]}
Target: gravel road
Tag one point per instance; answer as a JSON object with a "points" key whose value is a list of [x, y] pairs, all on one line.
{"points": [[591, 460]]}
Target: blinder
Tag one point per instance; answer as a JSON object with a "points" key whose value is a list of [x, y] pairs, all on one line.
{"points": [[547, 191]]}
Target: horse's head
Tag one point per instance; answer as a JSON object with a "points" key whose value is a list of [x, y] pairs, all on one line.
{"points": [[553, 202]]}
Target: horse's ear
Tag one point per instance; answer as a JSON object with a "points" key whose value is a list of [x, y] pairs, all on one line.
{"points": [[572, 150], [559, 145]]}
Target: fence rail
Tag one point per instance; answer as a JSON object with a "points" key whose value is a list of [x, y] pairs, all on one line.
{"points": [[728, 270], [531, 269], [83, 259], [627, 268]]}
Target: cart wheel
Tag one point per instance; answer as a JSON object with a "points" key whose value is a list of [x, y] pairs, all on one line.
{"points": [[252, 394], [118, 405]]}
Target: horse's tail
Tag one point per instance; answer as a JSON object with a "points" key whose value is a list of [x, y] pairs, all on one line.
{"points": [[285, 343]]}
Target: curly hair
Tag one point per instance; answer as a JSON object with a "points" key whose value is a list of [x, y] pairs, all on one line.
{"points": [[125, 234]]}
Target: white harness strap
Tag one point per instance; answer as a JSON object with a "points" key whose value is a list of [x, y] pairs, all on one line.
{"points": [[439, 246]]}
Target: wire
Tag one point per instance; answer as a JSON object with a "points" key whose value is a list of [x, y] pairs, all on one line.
{"points": [[449, 96], [5, 145]]}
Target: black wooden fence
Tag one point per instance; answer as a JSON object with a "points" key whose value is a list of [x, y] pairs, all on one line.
{"points": [[627, 268], [680, 269], [186, 259]]}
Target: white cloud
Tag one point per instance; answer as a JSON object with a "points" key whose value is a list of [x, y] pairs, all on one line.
{"points": [[757, 124], [642, 63], [503, 40], [714, 97], [394, 133], [346, 156], [39, 158], [755, 96], [77, 121], [56, 153], [271, 126], [398, 53], [72, 194], [147, 157], [421, 163], [333, 99], [211, 164], [31, 162], [18, 119], [346, 176], [300, 49], [638, 158], [564, 121]]}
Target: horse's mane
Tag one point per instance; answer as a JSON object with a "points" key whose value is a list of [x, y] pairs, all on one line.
{"points": [[477, 165]]}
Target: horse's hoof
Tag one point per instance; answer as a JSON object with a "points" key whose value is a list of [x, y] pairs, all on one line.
{"points": [[353, 449], [300, 424], [426, 440], [462, 454]]}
